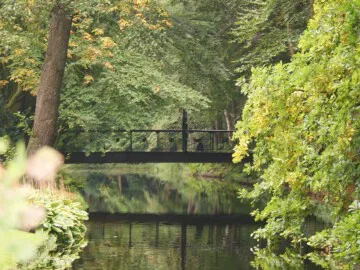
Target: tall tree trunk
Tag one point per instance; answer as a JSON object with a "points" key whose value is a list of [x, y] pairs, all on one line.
{"points": [[290, 42], [235, 112], [228, 123], [52, 73]]}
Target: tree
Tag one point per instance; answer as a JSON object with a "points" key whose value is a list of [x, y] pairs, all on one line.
{"points": [[269, 31], [48, 94], [301, 123], [94, 57]]}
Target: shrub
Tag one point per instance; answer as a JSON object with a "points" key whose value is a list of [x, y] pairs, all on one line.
{"points": [[64, 225]]}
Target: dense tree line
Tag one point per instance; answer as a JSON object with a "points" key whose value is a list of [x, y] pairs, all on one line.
{"points": [[132, 64]]}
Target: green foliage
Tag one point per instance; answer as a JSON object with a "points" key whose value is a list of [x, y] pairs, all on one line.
{"points": [[64, 225], [113, 80], [64, 218], [152, 188], [268, 31], [301, 123], [341, 243], [267, 259]]}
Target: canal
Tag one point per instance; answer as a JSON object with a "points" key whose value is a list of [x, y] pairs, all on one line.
{"points": [[162, 217], [144, 217]]}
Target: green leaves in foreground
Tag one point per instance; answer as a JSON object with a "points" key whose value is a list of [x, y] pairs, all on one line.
{"points": [[56, 217], [64, 225]]}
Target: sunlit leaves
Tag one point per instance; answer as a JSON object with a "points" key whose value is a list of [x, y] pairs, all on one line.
{"points": [[303, 120]]}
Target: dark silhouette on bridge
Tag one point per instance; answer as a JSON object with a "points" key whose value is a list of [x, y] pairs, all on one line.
{"points": [[163, 146]]}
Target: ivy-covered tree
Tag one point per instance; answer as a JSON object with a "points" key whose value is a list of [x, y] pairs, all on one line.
{"points": [[301, 124]]}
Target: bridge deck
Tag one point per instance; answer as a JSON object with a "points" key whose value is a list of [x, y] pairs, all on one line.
{"points": [[148, 157]]}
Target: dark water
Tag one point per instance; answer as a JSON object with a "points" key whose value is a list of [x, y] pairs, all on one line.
{"points": [[158, 220], [161, 221], [153, 245]]}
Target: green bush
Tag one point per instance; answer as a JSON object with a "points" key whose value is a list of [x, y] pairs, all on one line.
{"points": [[64, 225]]}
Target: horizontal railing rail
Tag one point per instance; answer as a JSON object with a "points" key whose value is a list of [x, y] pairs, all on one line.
{"points": [[156, 140]]}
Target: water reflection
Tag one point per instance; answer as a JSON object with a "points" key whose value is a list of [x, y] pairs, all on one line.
{"points": [[171, 221], [165, 222], [134, 193], [127, 244]]}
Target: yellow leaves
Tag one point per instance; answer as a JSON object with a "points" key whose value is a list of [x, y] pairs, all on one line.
{"points": [[157, 90], [88, 79], [155, 27], [344, 142], [3, 83], [98, 31], [107, 43], [17, 28], [27, 78], [19, 52], [309, 138], [141, 3], [93, 53], [163, 13], [88, 36], [261, 119], [31, 61], [31, 2], [123, 24], [112, 9], [4, 60], [167, 23], [294, 178], [109, 66], [241, 149], [76, 19], [72, 44]]}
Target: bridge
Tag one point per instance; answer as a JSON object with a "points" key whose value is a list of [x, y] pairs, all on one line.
{"points": [[160, 146], [163, 146]]}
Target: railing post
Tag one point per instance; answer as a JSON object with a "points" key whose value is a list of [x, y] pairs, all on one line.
{"points": [[157, 141], [184, 132], [131, 142]]}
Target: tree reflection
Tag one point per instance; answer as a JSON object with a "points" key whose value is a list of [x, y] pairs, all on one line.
{"points": [[286, 258], [162, 246], [134, 193]]}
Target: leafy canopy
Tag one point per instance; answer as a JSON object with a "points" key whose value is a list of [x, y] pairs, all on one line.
{"points": [[301, 123]]}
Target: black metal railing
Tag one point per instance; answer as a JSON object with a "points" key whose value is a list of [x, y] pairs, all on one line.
{"points": [[160, 140]]}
